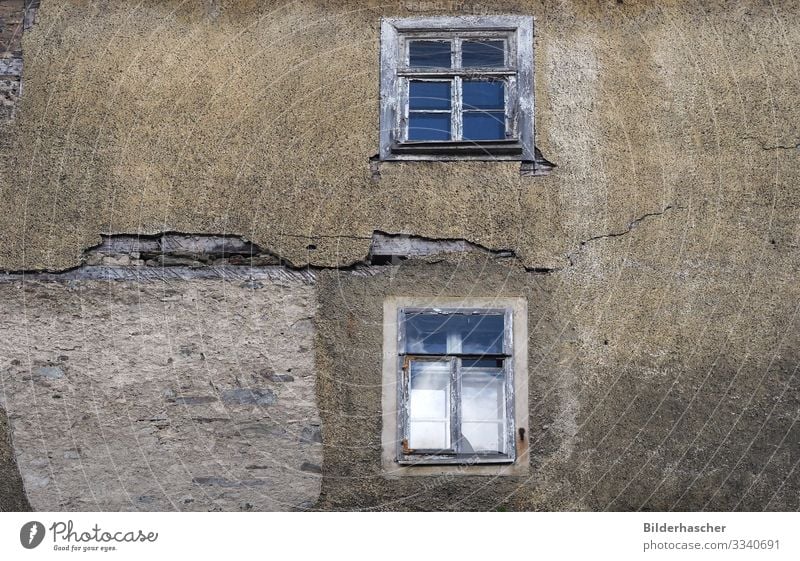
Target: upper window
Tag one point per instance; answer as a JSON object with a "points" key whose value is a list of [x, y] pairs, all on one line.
{"points": [[457, 88]]}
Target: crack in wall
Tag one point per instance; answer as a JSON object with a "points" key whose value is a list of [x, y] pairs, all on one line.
{"points": [[781, 147], [385, 244], [185, 256], [765, 146], [632, 225], [325, 236]]}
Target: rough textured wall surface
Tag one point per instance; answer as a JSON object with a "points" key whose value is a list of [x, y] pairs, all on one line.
{"points": [[350, 338], [619, 418], [151, 396], [15, 17], [270, 113], [669, 226], [12, 491]]}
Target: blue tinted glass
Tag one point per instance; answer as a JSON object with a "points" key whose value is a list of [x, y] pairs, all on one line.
{"points": [[483, 95], [482, 54], [483, 363], [484, 126], [429, 95], [430, 54], [454, 333], [429, 126]]}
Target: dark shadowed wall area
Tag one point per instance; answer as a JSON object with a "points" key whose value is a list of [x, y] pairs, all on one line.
{"points": [[659, 257]]}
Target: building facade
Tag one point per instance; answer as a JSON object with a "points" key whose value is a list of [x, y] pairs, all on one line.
{"points": [[424, 255]]}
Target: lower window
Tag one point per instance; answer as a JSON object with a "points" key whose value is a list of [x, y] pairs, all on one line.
{"points": [[455, 386]]}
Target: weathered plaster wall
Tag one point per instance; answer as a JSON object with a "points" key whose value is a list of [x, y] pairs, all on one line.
{"points": [[667, 344], [258, 118], [161, 396], [624, 414], [350, 367], [690, 394]]}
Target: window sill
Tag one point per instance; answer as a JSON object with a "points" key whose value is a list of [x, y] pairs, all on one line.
{"points": [[444, 151], [467, 460], [528, 168]]}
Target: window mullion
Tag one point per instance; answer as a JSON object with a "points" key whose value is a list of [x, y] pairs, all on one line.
{"points": [[402, 124], [508, 373], [511, 107], [507, 108], [457, 118], [455, 404]]}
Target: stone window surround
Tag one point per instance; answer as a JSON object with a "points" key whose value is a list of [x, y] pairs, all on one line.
{"points": [[390, 443]]}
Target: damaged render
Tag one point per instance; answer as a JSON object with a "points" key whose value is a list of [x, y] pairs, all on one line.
{"points": [[181, 255], [231, 384], [188, 368]]}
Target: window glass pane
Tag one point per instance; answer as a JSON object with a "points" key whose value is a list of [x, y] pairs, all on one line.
{"points": [[429, 392], [481, 334], [483, 437], [428, 95], [484, 94], [482, 54], [428, 333], [429, 405], [483, 410], [429, 54], [482, 395], [429, 126], [425, 435], [482, 363], [484, 126]]}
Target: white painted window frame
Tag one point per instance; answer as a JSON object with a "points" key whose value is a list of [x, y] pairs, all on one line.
{"points": [[516, 31]]}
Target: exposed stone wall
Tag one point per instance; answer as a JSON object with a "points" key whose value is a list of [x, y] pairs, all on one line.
{"points": [[16, 16], [12, 16], [160, 396]]}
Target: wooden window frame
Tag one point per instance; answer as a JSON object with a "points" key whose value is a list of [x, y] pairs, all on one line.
{"points": [[517, 74], [407, 456]]}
